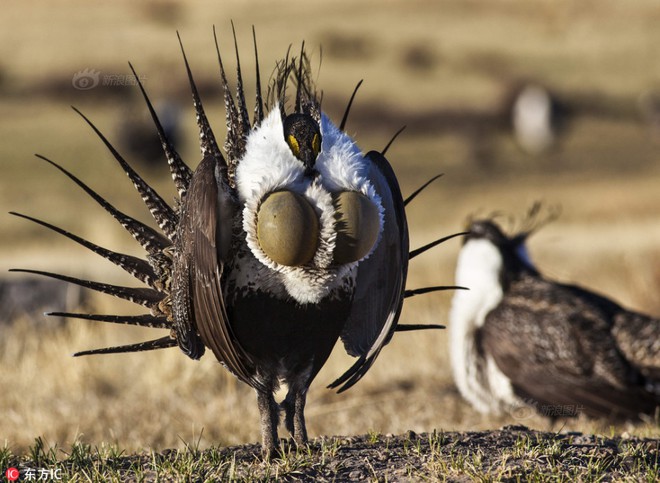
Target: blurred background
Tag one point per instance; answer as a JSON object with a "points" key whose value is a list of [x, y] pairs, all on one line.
{"points": [[514, 101]]}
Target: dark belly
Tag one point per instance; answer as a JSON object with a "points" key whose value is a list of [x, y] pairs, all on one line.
{"points": [[284, 337]]}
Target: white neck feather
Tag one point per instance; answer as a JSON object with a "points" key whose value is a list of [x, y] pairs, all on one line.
{"points": [[478, 268], [268, 166]]}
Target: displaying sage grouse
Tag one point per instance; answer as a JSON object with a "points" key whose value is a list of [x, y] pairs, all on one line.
{"points": [[518, 338], [291, 241]]}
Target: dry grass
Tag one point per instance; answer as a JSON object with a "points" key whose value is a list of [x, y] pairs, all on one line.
{"points": [[514, 453], [605, 177]]}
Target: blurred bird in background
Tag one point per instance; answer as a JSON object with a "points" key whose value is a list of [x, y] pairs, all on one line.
{"points": [[538, 118], [518, 338]]}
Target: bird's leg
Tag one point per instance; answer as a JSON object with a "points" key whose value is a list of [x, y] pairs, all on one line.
{"points": [[270, 416], [294, 408], [299, 427]]}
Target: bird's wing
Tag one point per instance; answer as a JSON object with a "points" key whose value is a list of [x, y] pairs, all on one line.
{"points": [[381, 279], [559, 353], [204, 237], [638, 337]]}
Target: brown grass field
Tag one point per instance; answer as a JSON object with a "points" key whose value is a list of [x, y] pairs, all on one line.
{"points": [[422, 61]]}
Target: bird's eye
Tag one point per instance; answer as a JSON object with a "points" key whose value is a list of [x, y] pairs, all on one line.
{"points": [[287, 228], [293, 144], [357, 224], [316, 144]]}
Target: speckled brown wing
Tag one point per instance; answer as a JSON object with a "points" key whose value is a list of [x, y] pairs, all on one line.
{"points": [[204, 237], [557, 349], [381, 280], [638, 337]]}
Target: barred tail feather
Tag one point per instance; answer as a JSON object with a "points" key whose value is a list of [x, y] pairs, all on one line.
{"points": [[142, 296], [137, 267], [208, 144], [150, 345], [145, 320], [151, 240], [259, 102], [164, 215], [243, 117], [181, 173], [232, 145]]}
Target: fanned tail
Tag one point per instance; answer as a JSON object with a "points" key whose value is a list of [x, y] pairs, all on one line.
{"points": [[155, 272]]}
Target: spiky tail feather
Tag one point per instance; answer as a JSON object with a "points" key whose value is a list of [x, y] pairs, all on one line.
{"points": [[149, 345], [412, 327], [155, 273], [156, 270]]}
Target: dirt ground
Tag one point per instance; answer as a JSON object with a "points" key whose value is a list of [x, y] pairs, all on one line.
{"points": [[513, 453]]}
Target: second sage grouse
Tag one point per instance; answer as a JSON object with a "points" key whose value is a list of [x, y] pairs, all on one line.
{"points": [[291, 241], [518, 339]]}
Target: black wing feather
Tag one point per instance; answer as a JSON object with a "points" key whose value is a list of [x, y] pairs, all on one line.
{"points": [[566, 356], [375, 311], [205, 214]]}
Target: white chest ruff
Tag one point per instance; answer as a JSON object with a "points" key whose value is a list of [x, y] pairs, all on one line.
{"points": [[270, 166], [478, 378]]}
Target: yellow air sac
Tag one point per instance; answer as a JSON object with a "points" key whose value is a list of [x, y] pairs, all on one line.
{"points": [[287, 228], [358, 225]]}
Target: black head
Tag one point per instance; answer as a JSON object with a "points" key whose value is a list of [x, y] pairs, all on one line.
{"points": [[512, 248], [488, 230], [303, 135]]}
